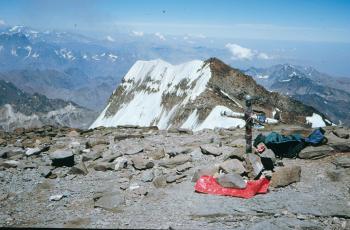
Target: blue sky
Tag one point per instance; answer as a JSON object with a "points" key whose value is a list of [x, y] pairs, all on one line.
{"points": [[309, 32], [278, 20]]}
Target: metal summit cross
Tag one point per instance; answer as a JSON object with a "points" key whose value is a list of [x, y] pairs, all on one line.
{"points": [[249, 120]]}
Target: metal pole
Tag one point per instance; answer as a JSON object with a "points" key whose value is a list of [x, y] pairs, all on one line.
{"points": [[249, 123]]}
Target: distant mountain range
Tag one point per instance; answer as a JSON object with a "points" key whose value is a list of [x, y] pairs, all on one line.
{"points": [[86, 71], [21, 109], [73, 67], [330, 95]]}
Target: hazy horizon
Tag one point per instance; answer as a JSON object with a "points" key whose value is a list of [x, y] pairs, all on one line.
{"points": [[311, 33]]}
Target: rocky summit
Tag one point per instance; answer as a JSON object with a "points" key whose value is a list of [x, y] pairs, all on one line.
{"points": [[132, 177], [194, 96]]}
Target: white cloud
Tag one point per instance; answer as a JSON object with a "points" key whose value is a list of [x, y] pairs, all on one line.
{"points": [[109, 38], [160, 36], [264, 56], [137, 33], [242, 53], [2, 22]]}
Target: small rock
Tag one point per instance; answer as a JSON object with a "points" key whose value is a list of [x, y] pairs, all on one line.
{"points": [[120, 163], [233, 153], [175, 161], [141, 191], [253, 165], [170, 178], [52, 176], [182, 168], [91, 156], [141, 164], [134, 150], [232, 166], [74, 144], [62, 158], [108, 156], [159, 182], [184, 131], [99, 148], [337, 143], [79, 169], [284, 176], [267, 174], [103, 166], [110, 201], [312, 152], [86, 150], [209, 149], [45, 171], [134, 186], [301, 217], [10, 164], [232, 180], [341, 133], [92, 143], [10, 152], [37, 150], [124, 186], [268, 159], [73, 133], [30, 166], [2, 142], [177, 151], [147, 176], [343, 162], [174, 178], [205, 171], [56, 197], [157, 154]]}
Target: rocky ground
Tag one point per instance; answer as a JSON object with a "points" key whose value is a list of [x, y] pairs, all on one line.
{"points": [[132, 177]]}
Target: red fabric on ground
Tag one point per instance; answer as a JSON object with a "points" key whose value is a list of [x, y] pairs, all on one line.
{"points": [[208, 184]]}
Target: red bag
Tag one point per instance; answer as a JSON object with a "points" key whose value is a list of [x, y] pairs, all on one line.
{"points": [[208, 184]]}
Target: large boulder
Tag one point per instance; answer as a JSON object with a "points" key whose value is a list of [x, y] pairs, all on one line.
{"points": [[141, 163], [205, 171], [232, 166], [337, 143], [312, 152], [62, 158], [284, 176], [232, 180], [175, 161], [342, 133], [253, 165]]}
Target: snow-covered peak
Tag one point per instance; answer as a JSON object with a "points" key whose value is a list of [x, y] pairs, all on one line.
{"points": [[150, 84], [191, 95], [16, 29], [159, 69]]}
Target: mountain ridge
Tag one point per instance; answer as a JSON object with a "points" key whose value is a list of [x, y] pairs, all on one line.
{"points": [[209, 83]]}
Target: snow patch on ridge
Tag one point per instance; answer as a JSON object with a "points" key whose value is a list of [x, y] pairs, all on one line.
{"points": [[216, 120], [315, 120]]}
